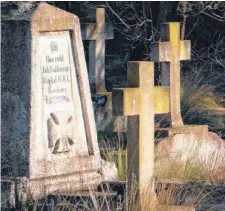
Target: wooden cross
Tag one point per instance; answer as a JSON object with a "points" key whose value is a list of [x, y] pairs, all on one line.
{"points": [[140, 102], [61, 132], [97, 34], [173, 50]]}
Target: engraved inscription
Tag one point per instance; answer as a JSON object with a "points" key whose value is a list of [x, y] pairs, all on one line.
{"points": [[56, 69]]}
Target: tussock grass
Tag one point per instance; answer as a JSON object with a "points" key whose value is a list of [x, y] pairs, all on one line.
{"points": [[187, 195], [199, 100], [172, 166], [114, 151]]}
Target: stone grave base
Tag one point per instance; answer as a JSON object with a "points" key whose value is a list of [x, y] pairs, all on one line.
{"points": [[190, 194], [64, 183], [199, 130], [176, 208], [18, 189], [106, 195]]}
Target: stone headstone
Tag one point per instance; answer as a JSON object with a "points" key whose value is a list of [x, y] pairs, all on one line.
{"points": [[139, 103], [170, 53], [48, 134], [184, 142]]}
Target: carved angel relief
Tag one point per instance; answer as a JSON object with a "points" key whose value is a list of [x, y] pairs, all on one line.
{"points": [[61, 132]]}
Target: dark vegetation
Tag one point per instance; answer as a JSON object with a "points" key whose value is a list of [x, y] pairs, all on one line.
{"points": [[137, 24]]}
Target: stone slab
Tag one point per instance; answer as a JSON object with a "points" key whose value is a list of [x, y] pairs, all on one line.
{"points": [[176, 208], [200, 130]]}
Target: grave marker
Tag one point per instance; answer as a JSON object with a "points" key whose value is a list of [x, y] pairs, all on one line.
{"points": [[97, 34], [173, 50], [170, 53], [52, 130], [137, 103]]}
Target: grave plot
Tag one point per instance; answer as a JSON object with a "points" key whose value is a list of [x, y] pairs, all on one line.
{"points": [[107, 125], [139, 105], [49, 135]]}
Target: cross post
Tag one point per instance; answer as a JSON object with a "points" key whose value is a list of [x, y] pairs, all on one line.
{"points": [[139, 103], [172, 50], [97, 34]]}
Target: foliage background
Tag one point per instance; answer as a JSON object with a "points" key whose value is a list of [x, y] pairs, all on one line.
{"points": [[137, 24]]}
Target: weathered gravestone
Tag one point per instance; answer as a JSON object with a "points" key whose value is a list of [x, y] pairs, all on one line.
{"points": [[184, 141], [97, 34], [139, 103], [169, 53], [49, 139]]}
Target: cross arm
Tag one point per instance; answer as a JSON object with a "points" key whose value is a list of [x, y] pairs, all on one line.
{"points": [[125, 101], [89, 31], [161, 99], [162, 51]]}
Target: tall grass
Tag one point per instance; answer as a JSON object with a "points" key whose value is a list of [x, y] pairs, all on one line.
{"points": [[168, 194], [199, 100], [113, 150], [168, 166]]}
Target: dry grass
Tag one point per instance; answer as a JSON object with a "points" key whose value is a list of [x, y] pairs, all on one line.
{"points": [[197, 98], [167, 195], [193, 168], [113, 151]]}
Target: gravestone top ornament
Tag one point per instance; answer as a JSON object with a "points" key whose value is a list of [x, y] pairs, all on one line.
{"points": [[44, 74]]}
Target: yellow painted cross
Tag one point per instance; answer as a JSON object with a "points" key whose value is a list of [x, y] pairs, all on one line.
{"points": [[173, 50], [140, 102], [97, 34]]}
